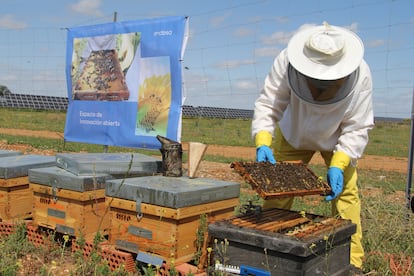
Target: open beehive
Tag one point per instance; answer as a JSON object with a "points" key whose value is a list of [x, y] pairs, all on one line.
{"points": [[284, 242], [102, 78], [285, 179]]}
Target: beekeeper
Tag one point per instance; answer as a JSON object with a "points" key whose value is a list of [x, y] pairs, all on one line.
{"points": [[318, 97]]}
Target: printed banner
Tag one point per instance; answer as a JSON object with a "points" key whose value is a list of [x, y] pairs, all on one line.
{"points": [[124, 82]]}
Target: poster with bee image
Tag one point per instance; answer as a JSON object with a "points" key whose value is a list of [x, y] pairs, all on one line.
{"points": [[124, 82]]}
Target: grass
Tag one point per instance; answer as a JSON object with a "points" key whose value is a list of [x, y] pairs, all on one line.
{"points": [[386, 139], [388, 225], [32, 119], [389, 139]]}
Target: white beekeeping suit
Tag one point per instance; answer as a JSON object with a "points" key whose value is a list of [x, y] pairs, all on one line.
{"points": [[318, 97]]}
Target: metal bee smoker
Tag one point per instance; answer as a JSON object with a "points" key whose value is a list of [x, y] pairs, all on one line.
{"points": [[172, 153]]}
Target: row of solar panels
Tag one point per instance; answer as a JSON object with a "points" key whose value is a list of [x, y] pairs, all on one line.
{"points": [[61, 103]]}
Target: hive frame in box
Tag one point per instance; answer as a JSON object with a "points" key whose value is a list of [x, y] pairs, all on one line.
{"points": [[284, 242]]}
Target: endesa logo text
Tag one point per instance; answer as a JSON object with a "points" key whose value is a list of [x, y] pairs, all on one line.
{"points": [[161, 33]]}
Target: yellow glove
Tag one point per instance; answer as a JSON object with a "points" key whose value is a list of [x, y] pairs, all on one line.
{"points": [[264, 153], [263, 138], [340, 160]]}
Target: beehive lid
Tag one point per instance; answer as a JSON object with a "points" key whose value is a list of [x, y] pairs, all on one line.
{"points": [[173, 192], [19, 165], [59, 178], [5, 153], [116, 164]]}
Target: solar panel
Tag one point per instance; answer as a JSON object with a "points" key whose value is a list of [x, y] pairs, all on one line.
{"points": [[61, 103], [34, 102]]}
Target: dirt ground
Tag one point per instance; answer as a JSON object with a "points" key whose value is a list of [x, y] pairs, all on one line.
{"points": [[221, 171], [212, 169]]}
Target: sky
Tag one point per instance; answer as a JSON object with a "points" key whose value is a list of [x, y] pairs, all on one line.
{"points": [[231, 46]]}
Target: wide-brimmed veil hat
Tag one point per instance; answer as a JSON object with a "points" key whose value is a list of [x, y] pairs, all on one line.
{"points": [[325, 52]]}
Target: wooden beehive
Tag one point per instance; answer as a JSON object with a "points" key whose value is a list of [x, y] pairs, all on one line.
{"points": [[15, 195], [15, 199], [167, 216], [67, 203]]}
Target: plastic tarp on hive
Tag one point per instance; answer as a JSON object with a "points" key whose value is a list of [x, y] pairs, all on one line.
{"points": [[124, 82]]}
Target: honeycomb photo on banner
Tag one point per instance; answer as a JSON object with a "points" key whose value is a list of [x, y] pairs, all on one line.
{"points": [[154, 96], [100, 64]]}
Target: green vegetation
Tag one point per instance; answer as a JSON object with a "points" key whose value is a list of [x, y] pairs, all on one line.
{"points": [[231, 132], [32, 119], [389, 139], [13, 249], [387, 223], [386, 139]]}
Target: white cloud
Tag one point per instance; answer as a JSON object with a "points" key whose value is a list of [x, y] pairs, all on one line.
{"points": [[277, 38], [283, 38], [87, 7], [266, 52], [245, 84], [375, 43], [353, 27], [241, 32], [282, 19], [9, 22], [305, 26], [234, 63], [218, 20], [9, 77]]}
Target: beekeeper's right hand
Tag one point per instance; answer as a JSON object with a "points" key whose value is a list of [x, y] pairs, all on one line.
{"points": [[264, 153], [339, 162]]}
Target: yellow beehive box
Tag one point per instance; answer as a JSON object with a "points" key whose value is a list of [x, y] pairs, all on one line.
{"points": [[15, 199], [67, 203], [167, 216], [15, 195]]}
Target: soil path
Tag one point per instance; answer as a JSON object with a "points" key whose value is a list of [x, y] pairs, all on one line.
{"points": [[397, 164]]}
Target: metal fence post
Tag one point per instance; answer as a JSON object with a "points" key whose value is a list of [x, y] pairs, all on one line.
{"points": [[410, 200]]}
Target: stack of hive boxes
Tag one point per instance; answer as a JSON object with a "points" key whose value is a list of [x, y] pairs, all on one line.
{"points": [[165, 219], [15, 194], [69, 197], [122, 195]]}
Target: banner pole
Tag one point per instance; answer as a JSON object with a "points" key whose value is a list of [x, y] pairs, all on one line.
{"points": [[106, 146]]}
